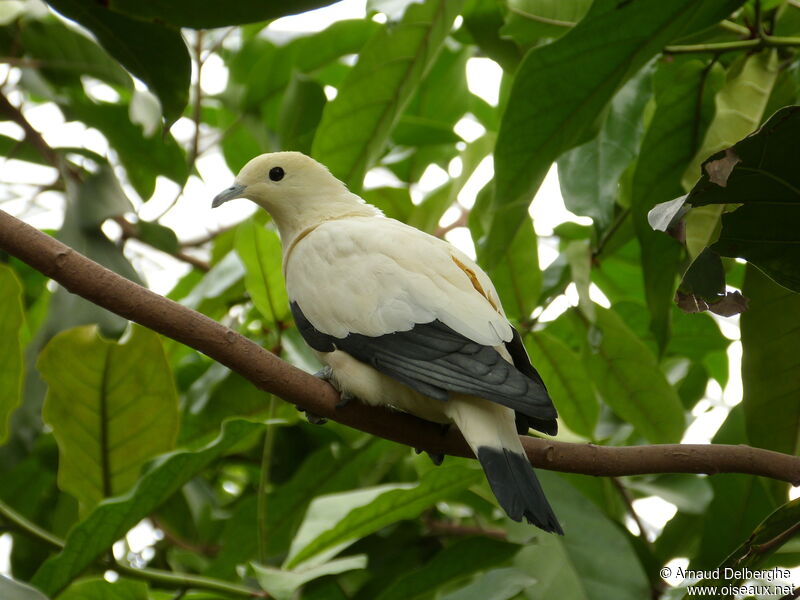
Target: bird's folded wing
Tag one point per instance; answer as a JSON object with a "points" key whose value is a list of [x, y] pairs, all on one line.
{"points": [[374, 276], [435, 360]]}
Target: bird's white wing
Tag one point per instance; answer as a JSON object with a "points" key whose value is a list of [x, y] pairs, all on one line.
{"points": [[373, 276]]}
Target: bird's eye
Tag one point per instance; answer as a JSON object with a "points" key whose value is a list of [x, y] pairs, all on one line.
{"points": [[276, 173]]}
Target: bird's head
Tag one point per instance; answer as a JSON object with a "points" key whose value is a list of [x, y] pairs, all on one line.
{"points": [[296, 190]]}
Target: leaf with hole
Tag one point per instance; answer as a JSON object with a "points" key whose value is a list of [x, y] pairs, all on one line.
{"points": [[581, 72]]}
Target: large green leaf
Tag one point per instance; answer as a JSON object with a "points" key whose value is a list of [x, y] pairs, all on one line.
{"points": [[483, 21], [771, 364], [453, 562], [326, 471], [567, 381], [357, 123], [630, 381], [154, 53], [283, 584], [594, 560], [497, 584], [528, 21], [100, 589], [740, 503], [111, 519], [518, 279], [684, 92], [15, 590], [589, 174], [112, 407], [760, 173], [144, 158], [206, 14], [561, 89], [770, 535], [439, 101], [301, 111], [65, 54], [11, 366], [336, 521], [260, 251], [739, 108]]}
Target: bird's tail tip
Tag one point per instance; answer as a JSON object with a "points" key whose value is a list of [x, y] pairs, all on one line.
{"points": [[516, 487]]}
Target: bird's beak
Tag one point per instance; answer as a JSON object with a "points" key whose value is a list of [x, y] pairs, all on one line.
{"points": [[235, 191]]}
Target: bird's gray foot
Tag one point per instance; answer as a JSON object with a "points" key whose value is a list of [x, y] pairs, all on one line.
{"points": [[312, 418], [326, 374], [436, 457]]}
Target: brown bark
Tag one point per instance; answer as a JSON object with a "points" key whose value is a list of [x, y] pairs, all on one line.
{"points": [[105, 288]]}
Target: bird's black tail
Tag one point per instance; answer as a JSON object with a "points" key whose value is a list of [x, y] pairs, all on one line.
{"points": [[516, 487]]}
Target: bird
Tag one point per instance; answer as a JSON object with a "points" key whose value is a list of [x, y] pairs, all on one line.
{"points": [[404, 319]]}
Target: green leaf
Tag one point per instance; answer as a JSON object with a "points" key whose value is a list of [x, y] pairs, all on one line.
{"points": [[771, 364], [689, 493], [101, 198], [334, 522], [154, 53], [144, 158], [100, 589], [462, 558], [759, 173], [483, 20], [630, 381], [529, 21], [580, 72], [589, 174], [112, 407], [518, 279], [300, 113], [11, 366], [65, 54], [260, 251], [282, 584], [206, 14], [439, 101], [158, 236], [357, 123], [498, 584], [567, 381], [111, 519], [740, 503], [684, 104], [327, 470], [739, 108], [770, 535], [15, 590], [594, 560]]}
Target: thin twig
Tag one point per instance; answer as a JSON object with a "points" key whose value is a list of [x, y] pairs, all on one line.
{"points": [[628, 500], [766, 41], [196, 114]]}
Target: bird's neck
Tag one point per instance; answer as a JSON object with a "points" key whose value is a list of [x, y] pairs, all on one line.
{"points": [[294, 222]]}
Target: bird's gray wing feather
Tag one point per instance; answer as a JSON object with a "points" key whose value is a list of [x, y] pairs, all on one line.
{"points": [[435, 360]]}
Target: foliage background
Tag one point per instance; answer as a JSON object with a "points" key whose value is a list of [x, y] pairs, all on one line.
{"points": [[103, 432]]}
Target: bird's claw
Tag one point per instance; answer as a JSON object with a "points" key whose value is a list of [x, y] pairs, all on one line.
{"points": [[312, 418], [437, 458], [326, 374]]}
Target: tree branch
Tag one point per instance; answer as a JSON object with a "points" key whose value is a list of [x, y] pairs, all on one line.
{"points": [[266, 371]]}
